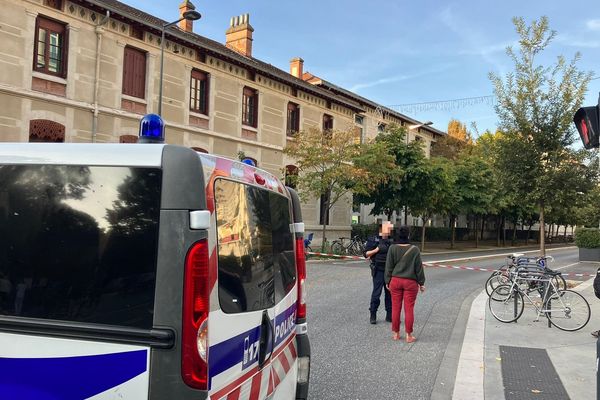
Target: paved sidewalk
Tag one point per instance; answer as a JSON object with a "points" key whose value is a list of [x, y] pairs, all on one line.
{"points": [[527, 360]]}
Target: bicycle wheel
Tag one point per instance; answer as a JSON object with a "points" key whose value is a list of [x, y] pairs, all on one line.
{"points": [[506, 304], [307, 249], [496, 279], [570, 311], [337, 247], [355, 249]]}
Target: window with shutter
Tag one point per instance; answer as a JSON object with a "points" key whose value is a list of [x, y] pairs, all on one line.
{"points": [[327, 122], [293, 119], [250, 107], [199, 92], [134, 72], [50, 47]]}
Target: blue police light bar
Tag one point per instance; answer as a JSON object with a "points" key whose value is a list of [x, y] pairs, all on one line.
{"points": [[152, 129], [249, 162]]}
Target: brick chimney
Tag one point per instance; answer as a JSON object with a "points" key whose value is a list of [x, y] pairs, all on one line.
{"points": [[185, 24], [296, 67], [239, 35]]}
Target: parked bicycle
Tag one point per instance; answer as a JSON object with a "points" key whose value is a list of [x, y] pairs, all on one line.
{"points": [[501, 276], [354, 247], [565, 309]]}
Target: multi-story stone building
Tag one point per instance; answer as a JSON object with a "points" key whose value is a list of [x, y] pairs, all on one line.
{"points": [[87, 70]]}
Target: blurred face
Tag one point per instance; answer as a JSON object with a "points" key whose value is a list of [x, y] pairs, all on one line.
{"points": [[386, 229]]}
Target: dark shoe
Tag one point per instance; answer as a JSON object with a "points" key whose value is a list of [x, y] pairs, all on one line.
{"points": [[388, 317], [595, 334], [373, 319]]}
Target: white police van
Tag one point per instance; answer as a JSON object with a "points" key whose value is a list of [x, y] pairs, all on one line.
{"points": [[148, 271]]}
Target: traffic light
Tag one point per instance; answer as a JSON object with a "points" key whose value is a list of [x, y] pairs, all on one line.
{"points": [[586, 120]]}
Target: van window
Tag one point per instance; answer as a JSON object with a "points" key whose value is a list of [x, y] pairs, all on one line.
{"points": [[255, 247], [79, 243]]}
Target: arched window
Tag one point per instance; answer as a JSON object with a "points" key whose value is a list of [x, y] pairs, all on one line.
{"points": [[43, 130], [291, 176], [199, 150], [128, 139]]}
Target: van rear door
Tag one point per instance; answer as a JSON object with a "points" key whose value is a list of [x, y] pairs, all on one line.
{"points": [[78, 248], [256, 278]]}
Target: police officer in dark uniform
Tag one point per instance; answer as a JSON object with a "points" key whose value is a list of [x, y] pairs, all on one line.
{"points": [[376, 251]]}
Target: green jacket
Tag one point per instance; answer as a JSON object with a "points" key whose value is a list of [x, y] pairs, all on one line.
{"points": [[404, 261]]}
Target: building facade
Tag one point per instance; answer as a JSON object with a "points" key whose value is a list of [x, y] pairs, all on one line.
{"points": [[88, 70]]}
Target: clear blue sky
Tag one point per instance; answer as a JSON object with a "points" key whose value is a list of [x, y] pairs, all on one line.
{"points": [[399, 52]]}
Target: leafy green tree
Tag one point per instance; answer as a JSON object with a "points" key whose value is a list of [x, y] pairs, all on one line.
{"points": [[436, 192], [587, 212], [401, 186], [475, 187], [449, 147], [326, 169], [535, 106]]}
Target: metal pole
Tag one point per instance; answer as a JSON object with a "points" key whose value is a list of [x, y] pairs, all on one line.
{"points": [[162, 61], [597, 365]]}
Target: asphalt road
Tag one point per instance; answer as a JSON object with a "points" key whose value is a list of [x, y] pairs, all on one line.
{"points": [[352, 359]]}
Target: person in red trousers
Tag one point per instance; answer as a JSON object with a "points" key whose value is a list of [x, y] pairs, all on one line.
{"points": [[404, 277]]}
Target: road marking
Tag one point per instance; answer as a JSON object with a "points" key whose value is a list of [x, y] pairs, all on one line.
{"points": [[566, 266], [499, 255]]}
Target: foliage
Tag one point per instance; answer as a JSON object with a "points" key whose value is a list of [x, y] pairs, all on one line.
{"points": [[474, 184], [587, 208], [325, 166], [363, 231], [449, 147], [458, 130], [404, 176], [535, 107], [587, 238]]}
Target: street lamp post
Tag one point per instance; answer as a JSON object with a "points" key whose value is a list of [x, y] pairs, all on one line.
{"points": [[190, 15], [416, 126]]}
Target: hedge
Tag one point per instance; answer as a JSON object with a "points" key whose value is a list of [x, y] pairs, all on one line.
{"points": [[587, 238], [435, 234], [438, 234]]}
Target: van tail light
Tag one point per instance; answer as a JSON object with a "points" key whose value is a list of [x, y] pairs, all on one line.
{"points": [[196, 291], [301, 270]]}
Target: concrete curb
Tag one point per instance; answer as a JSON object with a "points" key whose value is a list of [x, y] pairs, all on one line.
{"points": [[469, 374]]}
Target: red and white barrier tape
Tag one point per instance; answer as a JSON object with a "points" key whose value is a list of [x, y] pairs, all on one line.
{"points": [[315, 253], [495, 269], [480, 269]]}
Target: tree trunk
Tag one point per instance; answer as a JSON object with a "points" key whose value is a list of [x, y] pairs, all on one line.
{"points": [[476, 231], [565, 234], [514, 236], [498, 228], [528, 234], [542, 233], [423, 234], [452, 227], [503, 223], [406, 215], [325, 221], [483, 219]]}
